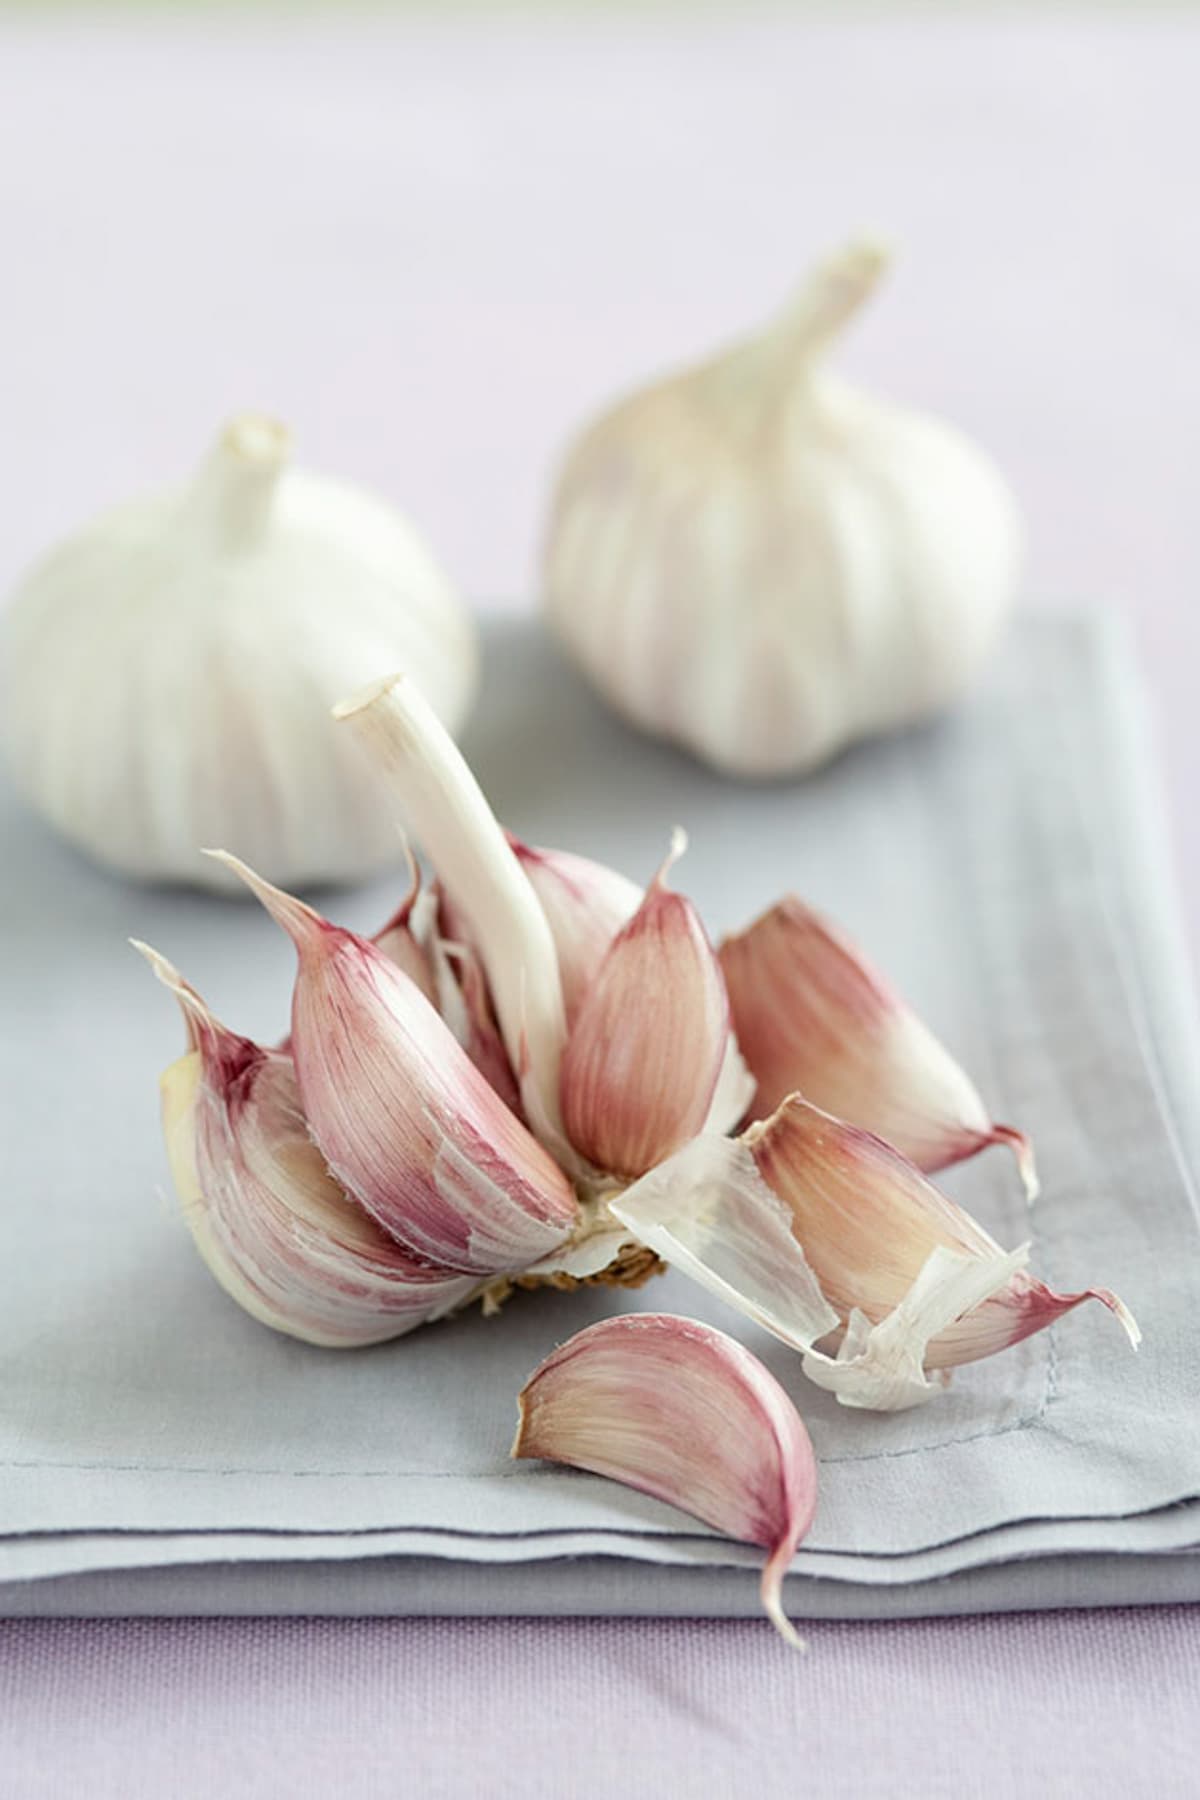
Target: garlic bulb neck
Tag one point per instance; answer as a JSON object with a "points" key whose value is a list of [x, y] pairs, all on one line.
{"points": [[235, 488], [834, 294], [769, 379]]}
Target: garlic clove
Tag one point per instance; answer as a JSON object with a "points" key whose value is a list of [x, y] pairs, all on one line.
{"points": [[478, 873], [424, 938], [911, 1282], [585, 904], [273, 1226], [648, 1043], [812, 1016], [754, 560], [166, 670], [400, 941], [870, 1223], [682, 1413], [407, 1124], [466, 1005]]}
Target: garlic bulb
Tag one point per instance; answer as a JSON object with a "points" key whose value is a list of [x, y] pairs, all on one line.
{"points": [[763, 564], [167, 671], [589, 1143]]}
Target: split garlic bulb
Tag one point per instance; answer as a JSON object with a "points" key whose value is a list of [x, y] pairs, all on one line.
{"points": [[763, 564], [167, 672]]}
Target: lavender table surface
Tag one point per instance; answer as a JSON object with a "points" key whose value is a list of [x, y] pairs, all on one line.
{"points": [[433, 246]]}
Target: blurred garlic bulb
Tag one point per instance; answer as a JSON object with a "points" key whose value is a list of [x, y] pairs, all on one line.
{"points": [[763, 564], [167, 671]]}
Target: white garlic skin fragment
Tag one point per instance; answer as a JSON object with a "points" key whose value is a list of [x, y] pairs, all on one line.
{"points": [[761, 563], [166, 672]]}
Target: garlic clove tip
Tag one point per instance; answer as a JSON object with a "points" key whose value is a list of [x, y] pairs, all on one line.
{"points": [[1022, 1151], [299, 921]]}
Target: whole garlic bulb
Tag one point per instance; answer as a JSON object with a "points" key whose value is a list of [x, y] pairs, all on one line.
{"points": [[167, 672], [764, 564]]}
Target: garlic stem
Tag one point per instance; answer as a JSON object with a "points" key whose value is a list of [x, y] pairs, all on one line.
{"points": [[836, 290], [446, 811], [234, 489]]}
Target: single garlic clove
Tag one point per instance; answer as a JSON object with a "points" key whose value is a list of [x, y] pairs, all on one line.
{"points": [[813, 1017], [649, 1040], [683, 1413], [447, 812], [407, 1124], [754, 560], [165, 671], [585, 904], [908, 1279], [275, 1229], [870, 1223]]}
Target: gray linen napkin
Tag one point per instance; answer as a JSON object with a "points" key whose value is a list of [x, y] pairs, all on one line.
{"points": [[1006, 866]]}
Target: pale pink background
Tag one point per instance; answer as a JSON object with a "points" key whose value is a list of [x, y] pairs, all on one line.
{"points": [[433, 247]]}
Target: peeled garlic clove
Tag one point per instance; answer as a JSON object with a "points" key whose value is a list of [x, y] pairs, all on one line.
{"points": [[648, 1042], [167, 669], [585, 904], [763, 564], [812, 1016], [446, 811], [273, 1226], [407, 1124], [909, 1279], [683, 1413]]}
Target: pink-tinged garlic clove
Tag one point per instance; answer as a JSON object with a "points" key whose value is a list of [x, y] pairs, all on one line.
{"points": [[828, 1237], [267, 1217], [649, 1040], [683, 1413], [585, 904], [813, 1017], [407, 1124]]}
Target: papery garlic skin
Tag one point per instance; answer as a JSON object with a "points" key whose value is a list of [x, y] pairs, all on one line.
{"points": [[687, 1415], [270, 1222], [813, 1016], [649, 1040], [166, 671], [405, 1121], [758, 562]]}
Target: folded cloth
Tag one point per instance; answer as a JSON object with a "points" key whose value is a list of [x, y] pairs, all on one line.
{"points": [[1006, 866]]}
